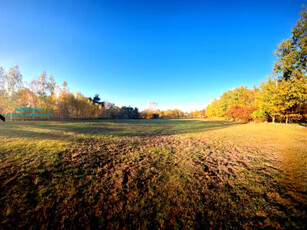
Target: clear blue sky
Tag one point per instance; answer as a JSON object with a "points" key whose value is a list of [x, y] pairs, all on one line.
{"points": [[181, 54]]}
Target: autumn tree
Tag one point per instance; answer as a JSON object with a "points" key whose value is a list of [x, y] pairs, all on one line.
{"points": [[62, 101], [292, 53], [2, 90], [241, 96], [44, 93], [291, 67], [211, 110], [11, 83], [267, 99], [44, 90], [239, 113]]}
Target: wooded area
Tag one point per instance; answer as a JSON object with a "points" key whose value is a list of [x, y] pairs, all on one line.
{"points": [[282, 97], [43, 92]]}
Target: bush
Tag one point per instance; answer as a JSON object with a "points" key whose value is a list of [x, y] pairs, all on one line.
{"points": [[149, 114], [239, 113], [128, 113]]}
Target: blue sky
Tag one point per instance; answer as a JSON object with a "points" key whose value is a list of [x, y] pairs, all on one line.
{"points": [[180, 54]]}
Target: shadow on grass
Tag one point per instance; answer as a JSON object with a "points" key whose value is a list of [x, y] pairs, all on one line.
{"points": [[303, 124], [110, 128]]}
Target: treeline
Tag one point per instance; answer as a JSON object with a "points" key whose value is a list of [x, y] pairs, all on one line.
{"points": [[43, 92], [282, 97], [175, 113]]}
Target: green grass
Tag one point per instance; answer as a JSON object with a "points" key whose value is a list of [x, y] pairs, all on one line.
{"points": [[152, 174]]}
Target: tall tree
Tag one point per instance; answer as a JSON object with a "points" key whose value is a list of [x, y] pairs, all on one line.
{"points": [[267, 99], [292, 53], [12, 84], [291, 69], [2, 90]]}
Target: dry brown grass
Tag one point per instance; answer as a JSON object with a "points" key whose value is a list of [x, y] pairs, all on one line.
{"points": [[153, 174]]}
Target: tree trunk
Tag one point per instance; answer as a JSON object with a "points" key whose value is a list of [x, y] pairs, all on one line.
{"points": [[287, 119], [273, 119]]}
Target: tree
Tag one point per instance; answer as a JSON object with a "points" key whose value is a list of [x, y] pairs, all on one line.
{"points": [[96, 100], [128, 113], [292, 95], [291, 67], [63, 101], [43, 88], [11, 82], [292, 53], [267, 100], [3, 95], [210, 109], [239, 96]]}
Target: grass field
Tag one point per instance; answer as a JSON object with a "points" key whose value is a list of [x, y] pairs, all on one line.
{"points": [[153, 174]]}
